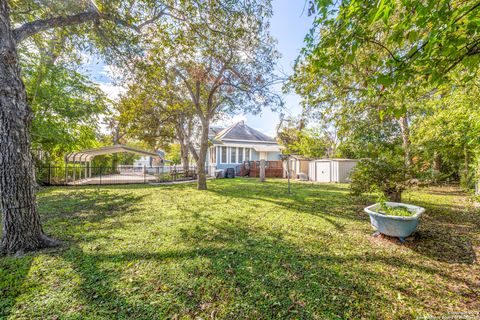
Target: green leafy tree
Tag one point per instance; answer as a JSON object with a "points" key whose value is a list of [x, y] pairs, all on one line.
{"points": [[418, 41], [153, 110], [372, 68], [222, 63], [173, 153], [66, 108], [109, 27], [308, 143], [446, 137], [385, 173]]}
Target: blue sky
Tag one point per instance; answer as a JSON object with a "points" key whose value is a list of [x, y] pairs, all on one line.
{"points": [[289, 25]]}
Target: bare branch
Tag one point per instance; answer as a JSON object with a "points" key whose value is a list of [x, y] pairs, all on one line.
{"points": [[30, 28]]}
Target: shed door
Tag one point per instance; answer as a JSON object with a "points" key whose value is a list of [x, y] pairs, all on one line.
{"points": [[323, 171]]}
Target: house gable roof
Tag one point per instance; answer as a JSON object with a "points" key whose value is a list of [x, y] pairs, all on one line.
{"points": [[213, 131], [241, 132]]}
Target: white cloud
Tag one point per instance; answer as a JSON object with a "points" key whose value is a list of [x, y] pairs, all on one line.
{"points": [[112, 91]]}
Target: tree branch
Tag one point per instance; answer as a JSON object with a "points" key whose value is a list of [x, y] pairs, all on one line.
{"points": [[30, 28]]}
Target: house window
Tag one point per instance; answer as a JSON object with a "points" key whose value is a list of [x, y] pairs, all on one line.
{"points": [[224, 154], [247, 154], [233, 155], [213, 153], [240, 155]]}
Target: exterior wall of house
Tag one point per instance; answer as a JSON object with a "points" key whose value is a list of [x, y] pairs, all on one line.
{"points": [[222, 162], [143, 161]]}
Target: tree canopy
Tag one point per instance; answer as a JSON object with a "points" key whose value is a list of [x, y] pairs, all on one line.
{"points": [[218, 62], [396, 79], [419, 42]]}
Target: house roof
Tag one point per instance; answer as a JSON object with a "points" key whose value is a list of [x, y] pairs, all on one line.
{"points": [[241, 132], [337, 159], [213, 131]]}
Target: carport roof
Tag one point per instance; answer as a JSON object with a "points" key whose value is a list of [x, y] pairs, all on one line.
{"points": [[88, 155]]}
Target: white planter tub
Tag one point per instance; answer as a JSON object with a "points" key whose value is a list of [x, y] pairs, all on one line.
{"points": [[395, 226]]}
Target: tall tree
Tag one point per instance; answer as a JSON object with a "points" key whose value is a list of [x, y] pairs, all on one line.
{"points": [[152, 111], [222, 61], [21, 227], [66, 105], [388, 53]]}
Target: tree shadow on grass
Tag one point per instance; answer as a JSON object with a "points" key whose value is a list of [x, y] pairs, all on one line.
{"points": [[445, 232], [230, 270], [346, 275], [328, 202], [63, 213], [237, 274]]}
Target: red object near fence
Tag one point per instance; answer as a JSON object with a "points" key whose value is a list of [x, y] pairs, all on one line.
{"points": [[274, 169]]}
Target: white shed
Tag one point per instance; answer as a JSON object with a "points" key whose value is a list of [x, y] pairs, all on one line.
{"points": [[330, 170]]}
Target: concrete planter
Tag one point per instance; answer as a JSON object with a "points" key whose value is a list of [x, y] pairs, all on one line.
{"points": [[395, 226]]}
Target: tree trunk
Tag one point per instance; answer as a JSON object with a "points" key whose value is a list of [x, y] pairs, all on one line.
{"points": [[466, 164], [184, 137], [406, 141], [184, 156], [202, 156], [477, 180], [262, 170], [21, 227], [393, 195], [437, 163], [183, 141]]}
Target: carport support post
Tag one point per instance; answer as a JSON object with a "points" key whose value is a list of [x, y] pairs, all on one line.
{"points": [[90, 169], [74, 169], [66, 172]]}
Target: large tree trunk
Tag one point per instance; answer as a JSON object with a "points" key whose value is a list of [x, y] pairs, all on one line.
{"points": [[21, 227], [202, 156]]}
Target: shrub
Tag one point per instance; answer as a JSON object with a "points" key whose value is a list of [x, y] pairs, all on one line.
{"points": [[386, 174]]}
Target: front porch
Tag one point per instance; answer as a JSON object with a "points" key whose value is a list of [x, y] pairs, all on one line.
{"points": [[273, 169]]}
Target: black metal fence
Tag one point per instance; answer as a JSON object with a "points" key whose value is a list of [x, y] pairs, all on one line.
{"points": [[75, 175]]}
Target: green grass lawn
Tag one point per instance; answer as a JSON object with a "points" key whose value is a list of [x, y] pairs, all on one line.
{"points": [[241, 250]]}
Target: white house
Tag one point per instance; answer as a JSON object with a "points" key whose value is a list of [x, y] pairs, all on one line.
{"points": [[239, 143], [147, 161]]}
